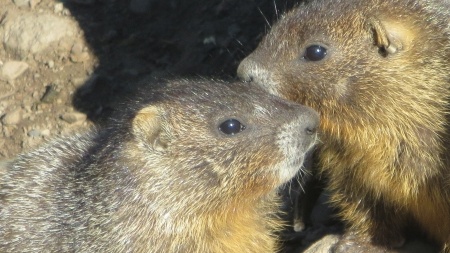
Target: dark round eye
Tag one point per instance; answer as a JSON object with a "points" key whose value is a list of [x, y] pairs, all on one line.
{"points": [[231, 127], [315, 53]]}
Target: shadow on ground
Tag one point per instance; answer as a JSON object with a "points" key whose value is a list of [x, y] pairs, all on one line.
{"points": [[177, 38]]}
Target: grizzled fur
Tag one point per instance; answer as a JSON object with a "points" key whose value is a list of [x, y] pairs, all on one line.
{"points": [[382, 89], [162, 177]]}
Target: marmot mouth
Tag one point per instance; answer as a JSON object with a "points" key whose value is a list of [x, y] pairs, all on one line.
{"points": [[288, 169]]}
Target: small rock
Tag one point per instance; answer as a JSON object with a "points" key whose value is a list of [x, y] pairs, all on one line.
{"points": [[77, 81], [12, 118], [77, 48], [83, 57], [66, 12], [73, 117], [59, 7], [50, 94], [34, 32], [13, 69], [45, 132], [51, 64], [34, 133]]}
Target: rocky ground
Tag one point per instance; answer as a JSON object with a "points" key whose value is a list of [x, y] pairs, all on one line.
{"points": [[65, 65], [44, 58]]}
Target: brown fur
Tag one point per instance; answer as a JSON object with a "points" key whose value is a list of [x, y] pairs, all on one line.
{"points": [[161, 177], [383, 94]]}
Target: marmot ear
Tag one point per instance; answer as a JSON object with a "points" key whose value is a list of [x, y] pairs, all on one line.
{"points": [[148, 127], [387, 36]]}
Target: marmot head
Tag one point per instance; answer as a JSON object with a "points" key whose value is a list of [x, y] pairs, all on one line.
{"points": [[358, 63], [216, 141]]}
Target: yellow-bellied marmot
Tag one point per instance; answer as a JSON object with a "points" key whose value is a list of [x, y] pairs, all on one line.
{"points": [[378, 72], [190, 167]]}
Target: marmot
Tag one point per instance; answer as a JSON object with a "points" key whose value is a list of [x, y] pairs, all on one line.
{"points": [[378, 73], [193, 166]]}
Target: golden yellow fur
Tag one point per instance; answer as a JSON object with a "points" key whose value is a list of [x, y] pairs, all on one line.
{"points": [[383, 91]]}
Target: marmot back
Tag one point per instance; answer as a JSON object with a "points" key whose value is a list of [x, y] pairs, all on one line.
{"points": [[378, 73], [190, 167]]}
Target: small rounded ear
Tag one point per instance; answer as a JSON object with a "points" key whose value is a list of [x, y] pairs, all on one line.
{"points": [[148, 127], [387, 37]]}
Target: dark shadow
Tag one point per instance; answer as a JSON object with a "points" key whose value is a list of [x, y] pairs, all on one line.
{"points": [[180, 38]]}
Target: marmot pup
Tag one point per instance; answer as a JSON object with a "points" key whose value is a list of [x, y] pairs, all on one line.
{"points": [[192, 167], [378, 73]]}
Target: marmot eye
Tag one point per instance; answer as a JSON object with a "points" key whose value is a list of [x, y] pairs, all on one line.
{"points": [[231, 127], [315, 53]]}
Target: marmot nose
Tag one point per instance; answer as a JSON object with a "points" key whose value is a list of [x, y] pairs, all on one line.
{"points": [[311, 130], [311, 122], [244, 71]]}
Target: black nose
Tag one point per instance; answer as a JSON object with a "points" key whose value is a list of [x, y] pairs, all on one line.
{"points": [[311, 130]]}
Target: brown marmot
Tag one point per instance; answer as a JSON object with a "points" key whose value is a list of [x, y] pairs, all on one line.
{"points": [[378, 73], [193, 166]]}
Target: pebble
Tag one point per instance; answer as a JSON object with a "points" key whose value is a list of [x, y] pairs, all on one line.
{"points": [[34, 133], [59, 7], [13, 69], [34, 32], [73, 117], [77, 48], [51, 64], [77, 81], [12, 118], [66, 12], [45, 132], [77, 53], [83, 57], [50, 95]]}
